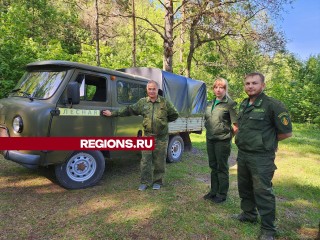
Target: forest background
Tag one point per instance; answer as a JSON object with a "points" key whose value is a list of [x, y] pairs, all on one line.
{"points": [[201, 39]]}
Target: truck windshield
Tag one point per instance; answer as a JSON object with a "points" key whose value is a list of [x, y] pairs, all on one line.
{"points": [[40, 84]]}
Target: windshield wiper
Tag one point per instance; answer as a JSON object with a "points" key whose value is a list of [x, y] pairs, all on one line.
{"points": [[25, 94], [16, 90]]}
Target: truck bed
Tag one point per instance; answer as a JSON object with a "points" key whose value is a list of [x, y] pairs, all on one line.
{"points": [[186, 124]]}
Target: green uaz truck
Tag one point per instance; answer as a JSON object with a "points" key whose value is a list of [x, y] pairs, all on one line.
{"points": [[34, 109]]}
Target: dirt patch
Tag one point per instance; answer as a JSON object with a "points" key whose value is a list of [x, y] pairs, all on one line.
{"points": [[195, 151], [232, 160], [309, 233], [204, 178]]}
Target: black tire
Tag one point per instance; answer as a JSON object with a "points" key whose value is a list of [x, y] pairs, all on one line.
{"points": [[83, 169], [175, 149]]}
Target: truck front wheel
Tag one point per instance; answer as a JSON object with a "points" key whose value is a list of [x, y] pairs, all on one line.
{"points": [[175, 149], [83, 169]]}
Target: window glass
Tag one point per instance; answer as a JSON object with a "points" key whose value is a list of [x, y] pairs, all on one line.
{"points": [[92, 88], [129, 93], [38, 84]]}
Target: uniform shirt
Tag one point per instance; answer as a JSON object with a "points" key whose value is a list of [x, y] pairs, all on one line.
{"points": [[219, 119], [156, 115], [260, 123]]}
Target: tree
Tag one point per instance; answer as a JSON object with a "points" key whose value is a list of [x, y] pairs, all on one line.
{"points": [[165, 31], [296, 84], [216, 21], [134, 33], [310, 87], [102, 19]]}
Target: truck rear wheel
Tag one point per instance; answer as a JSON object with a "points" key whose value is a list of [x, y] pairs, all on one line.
{"points": [[83, 169], [175, 149]]}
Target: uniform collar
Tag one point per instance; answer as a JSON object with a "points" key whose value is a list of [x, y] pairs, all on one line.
{"points": [[224, 99], [157, 100], [258, 101]]}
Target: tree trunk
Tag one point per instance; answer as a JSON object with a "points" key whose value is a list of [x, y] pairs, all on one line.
{"points": [[191, 49], [182, 31], [168, 37], [134, 41], [97, 34]]}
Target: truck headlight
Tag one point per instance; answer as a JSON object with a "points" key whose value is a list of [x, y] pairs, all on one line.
{"points": [[17, 124]]}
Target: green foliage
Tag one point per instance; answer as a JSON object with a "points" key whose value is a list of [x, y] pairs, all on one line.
{"points": [[297, 85], [33, 31], [13, 58], [246, 59]]}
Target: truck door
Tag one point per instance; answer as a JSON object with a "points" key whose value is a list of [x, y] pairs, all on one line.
{"points": [[127, 92], [84, 119]]}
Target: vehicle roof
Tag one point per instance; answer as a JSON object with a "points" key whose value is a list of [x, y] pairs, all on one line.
{"points": [[70, 65]]}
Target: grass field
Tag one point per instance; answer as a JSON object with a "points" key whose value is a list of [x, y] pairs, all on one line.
{"points": [[33, 206]]}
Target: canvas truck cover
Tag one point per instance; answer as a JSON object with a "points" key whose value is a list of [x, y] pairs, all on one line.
{"points": [[188, 95]]}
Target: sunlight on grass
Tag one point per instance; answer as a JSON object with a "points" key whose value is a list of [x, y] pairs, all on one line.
{"points": [[305, 140], [299, 203], [305, 233], [116, 209], [303, 171], [49, 189], [139, 212], [91, 206]]}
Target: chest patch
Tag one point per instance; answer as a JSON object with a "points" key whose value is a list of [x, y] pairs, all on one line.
{"points": [[259, 110]]}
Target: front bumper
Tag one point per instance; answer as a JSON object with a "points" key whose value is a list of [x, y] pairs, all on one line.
{"points": [[27, 160]]}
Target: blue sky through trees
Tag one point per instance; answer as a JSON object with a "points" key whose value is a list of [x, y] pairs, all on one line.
{"points": [[301, 25]]}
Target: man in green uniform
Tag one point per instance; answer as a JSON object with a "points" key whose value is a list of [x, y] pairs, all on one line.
{"points": [[262, 122], [156, 112]]}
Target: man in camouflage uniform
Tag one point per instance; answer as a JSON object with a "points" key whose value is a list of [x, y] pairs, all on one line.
{"points": [[156, 112], [262, 122]]}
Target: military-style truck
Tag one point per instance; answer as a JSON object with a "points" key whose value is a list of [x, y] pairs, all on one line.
{"points": [[33, 109]]}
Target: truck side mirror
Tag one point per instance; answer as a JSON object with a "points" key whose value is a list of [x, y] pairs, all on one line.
{"points": [[73, 93]]}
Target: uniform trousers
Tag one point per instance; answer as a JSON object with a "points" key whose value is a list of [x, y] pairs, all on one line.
{"points": [[153, 163], [255, 173], [218, 154]]}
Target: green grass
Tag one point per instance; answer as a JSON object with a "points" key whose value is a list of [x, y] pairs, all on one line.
{"points": [[33, 206]]}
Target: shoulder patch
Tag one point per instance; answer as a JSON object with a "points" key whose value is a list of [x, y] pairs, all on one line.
{"points": [[284, 118]]}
